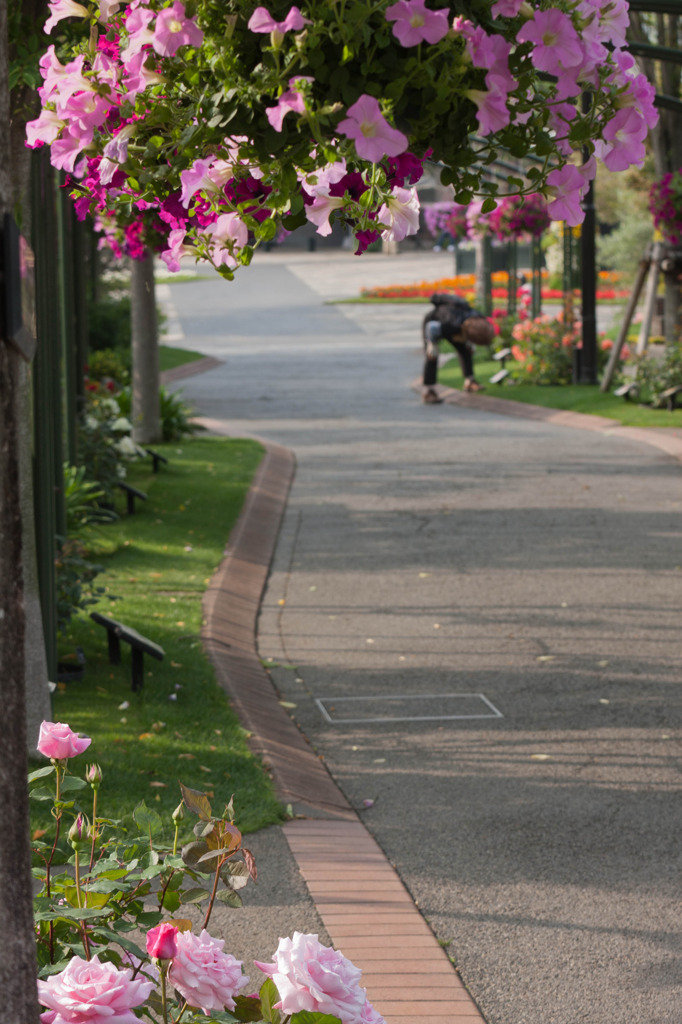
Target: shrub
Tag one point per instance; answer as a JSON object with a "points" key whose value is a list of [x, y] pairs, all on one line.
{"points": [[74, 574], [82, 499], [654, 375], [543, 350], [175, 415], [109, 323], [109, 364]]}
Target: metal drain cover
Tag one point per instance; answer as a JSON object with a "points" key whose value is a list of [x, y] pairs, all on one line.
{"points": [[431, 707]]}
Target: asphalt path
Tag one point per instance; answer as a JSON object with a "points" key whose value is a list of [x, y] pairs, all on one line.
{"points": [[477, 620]]}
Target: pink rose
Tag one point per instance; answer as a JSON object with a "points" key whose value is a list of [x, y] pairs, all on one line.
{"points": [[313, 977], [88, 992], [161, 941], [57, 741], [203, 975]]}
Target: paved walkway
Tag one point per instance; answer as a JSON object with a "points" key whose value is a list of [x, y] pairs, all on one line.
{"points": [[431, 555]]}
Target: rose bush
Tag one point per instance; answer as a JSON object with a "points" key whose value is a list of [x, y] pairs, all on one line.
{"points": [[91, 969], [203, 128]]}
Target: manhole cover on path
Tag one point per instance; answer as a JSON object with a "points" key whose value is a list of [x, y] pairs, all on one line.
{"points": [[414, 708]]}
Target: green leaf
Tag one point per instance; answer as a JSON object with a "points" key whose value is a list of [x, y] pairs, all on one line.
{"points": [[193, 895], [112, 936], [248, 1009], [41, 793], [192, 853], [40, 773], [489, 205], [171, 901], [196, 802], [306, 1017], [229, 896], [146, 819], [268, 997], [235, 874]]}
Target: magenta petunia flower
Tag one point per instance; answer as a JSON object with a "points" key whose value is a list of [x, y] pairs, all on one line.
{"points": [[373, 136], [174, 29], [415, 23]]}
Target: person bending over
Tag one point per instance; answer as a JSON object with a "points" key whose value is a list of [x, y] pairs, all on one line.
{"points": [[452, 319]]}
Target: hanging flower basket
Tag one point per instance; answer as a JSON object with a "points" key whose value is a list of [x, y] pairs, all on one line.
{"points": [[665, 203]]}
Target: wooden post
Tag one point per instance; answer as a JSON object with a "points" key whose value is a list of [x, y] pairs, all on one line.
{"points": [[650, 298], [643, 270]]}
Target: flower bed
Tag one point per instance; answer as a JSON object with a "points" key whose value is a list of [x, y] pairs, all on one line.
{"points": [[91, 968], [465, 284]]}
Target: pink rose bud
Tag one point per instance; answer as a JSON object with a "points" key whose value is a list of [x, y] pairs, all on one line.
{"points": [[94, 775], [78, 833], [161, 941], [57, 741]]}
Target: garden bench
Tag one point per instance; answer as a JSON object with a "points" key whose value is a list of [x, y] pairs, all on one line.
{"points": [[669, 396], [501, 357], [131, 493], [628, 390], [157, 457], [139, 646]]}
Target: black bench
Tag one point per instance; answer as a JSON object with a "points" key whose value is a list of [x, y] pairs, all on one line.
{"points": [[131, 493], [669, 396], [139, 646], [501, 357], [158, 458], [627, 391]]}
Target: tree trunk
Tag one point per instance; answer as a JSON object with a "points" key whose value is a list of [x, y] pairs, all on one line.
{"points": [[17, 964], [145, 346]]}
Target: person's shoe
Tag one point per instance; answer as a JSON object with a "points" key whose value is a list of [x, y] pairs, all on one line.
{"points": [[473, 385], [431, 397]]}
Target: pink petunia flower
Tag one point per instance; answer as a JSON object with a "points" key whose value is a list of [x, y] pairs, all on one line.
{"points": [[290, 101], [226, 235], [401, 213], [493, 113], [176, 250], [139, 32], [624, 135], [566, 187], [506, 8], [58, 741], [415, 23], [262, 21], [373, 136], [44, 129], [556, 40], [174, 29], [60, 9]]}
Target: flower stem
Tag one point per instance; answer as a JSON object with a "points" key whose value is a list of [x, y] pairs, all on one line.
{"points": [[213, 894], [94, 828]]}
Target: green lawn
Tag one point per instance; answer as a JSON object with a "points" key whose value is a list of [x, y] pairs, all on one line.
{"points": [[180, 726], [578, 398], [170, 357]]}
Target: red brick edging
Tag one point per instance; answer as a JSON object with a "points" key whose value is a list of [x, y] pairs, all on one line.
{"points": [[366, 909]]}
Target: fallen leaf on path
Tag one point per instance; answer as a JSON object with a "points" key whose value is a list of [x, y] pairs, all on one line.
{"points": [[541, 757]]}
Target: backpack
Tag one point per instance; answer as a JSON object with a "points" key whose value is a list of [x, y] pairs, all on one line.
{"points": [[450, 311]]}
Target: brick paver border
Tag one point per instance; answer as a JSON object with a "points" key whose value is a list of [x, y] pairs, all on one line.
{"points": [[367, 911]]}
